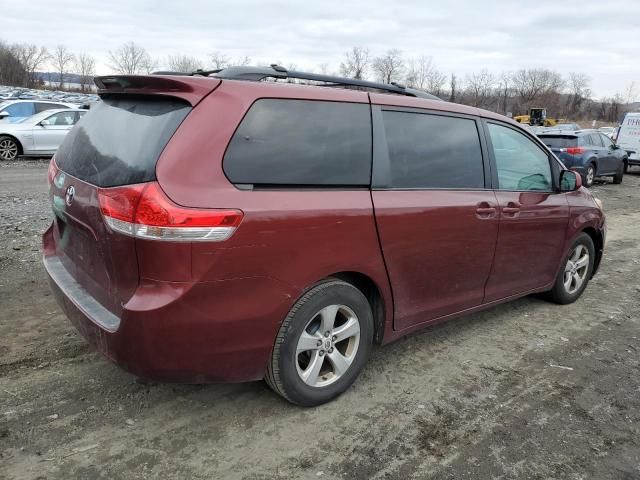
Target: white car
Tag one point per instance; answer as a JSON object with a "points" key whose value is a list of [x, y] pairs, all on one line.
{"points": [[39, 135], [13, 111]]}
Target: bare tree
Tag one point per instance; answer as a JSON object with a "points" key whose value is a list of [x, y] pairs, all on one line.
{"points": [[505, 90], [479, 88], [130, 59], [452, 88], [323, 68], [418, 71], [630, 93], [85, 66], [220, 60], [62, 59], [31, 58], [183, 63], [579, 92], [435, 81], [531, 84], [11, 70], [389, 67], [356, 63]]}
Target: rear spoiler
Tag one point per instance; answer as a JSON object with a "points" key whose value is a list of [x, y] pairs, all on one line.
{"points": [[191, 89]]}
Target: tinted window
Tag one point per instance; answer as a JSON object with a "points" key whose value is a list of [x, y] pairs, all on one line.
{"points": [[433, 151], [119, 140], [521, 164], [301, 142], [41, 107], [595, 140], [606, 140], [20, 109], [558, 142]]}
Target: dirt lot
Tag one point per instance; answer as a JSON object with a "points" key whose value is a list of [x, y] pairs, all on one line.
{"points": [[524, 390]]}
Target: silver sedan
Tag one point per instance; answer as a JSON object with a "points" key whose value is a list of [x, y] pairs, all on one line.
{"points": [[38, 135]]}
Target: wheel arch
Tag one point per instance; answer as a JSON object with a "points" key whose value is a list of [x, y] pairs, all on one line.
{"points": [[598, 243], [374, 296]]}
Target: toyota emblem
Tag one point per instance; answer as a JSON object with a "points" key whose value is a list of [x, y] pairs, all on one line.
{"points": [[71, 192]]}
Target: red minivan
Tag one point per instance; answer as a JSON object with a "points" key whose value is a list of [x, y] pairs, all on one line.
{"points": [[238, 225]]}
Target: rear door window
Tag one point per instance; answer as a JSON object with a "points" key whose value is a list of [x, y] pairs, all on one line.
{"points": [[522, 165], [595, 140], [119, 140], [433, 151], [42, 106], [301, 142]]}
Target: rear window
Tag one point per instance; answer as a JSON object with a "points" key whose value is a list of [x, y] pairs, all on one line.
{"points": [[558, 142], [301, 142], [119, 140]]}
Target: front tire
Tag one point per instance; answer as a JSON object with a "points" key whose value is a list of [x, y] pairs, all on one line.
{"points": [[576, 271], [322, 345], [617, 178], [589, 175], [9, 148]]}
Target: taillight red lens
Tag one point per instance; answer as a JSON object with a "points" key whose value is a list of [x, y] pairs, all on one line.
{"points": [[120, 202], [52, 171], [575, 150], [155, 209], [145, 211]]}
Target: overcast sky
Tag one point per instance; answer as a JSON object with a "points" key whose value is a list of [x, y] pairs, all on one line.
{"points": [[600, 38]]}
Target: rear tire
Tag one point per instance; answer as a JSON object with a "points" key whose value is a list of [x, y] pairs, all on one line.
{"points": [[589, 175], [10, 148], [576, 271], [617, 178], [322, 345]]}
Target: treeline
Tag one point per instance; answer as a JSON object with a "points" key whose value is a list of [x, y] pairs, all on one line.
{"points": [[567, 96], [20, 64]]}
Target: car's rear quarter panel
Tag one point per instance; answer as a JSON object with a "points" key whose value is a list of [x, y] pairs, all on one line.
{"points": [[288, 239]]}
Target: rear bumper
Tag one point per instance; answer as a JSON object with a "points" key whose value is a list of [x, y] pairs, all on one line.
{"points": [[180, 332]]}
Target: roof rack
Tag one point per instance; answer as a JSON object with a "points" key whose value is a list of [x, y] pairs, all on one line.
{"points": [[257, 74]]}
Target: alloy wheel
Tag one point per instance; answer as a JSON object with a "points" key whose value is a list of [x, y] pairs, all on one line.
{"points": [[591, 175], [8, 149], [575, 271], [328, 345]]}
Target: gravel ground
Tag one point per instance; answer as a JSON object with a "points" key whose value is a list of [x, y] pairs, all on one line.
{"points": [[524, 390]]}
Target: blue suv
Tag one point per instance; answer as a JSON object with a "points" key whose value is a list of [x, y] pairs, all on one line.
{"points": [[589, 152]]}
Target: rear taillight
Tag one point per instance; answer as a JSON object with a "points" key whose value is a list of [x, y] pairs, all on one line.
{"points": [[144, 211], [52, 172], [573, 150]]}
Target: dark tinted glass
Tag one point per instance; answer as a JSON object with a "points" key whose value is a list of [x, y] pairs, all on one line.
{"points": [[558, 142], [41, 107], [301, 142], [595, 140], [433, 151], [119, 140]]}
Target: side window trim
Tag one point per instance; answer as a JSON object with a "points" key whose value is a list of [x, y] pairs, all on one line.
{"points": [[381, 168], [555, 172]]}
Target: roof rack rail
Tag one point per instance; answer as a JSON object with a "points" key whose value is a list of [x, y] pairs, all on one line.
{"points": [[257, 74]]}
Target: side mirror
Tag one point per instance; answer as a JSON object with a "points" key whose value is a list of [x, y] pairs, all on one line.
{"points": [[44, 123], [4, 115], [570, 181], [615, 147]]}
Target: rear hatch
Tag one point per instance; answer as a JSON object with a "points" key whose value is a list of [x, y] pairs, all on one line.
{"points": [[116, 144], [564, 146]]}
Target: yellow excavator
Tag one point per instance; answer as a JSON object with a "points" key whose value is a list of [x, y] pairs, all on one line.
{"points": [[537, 117]]}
